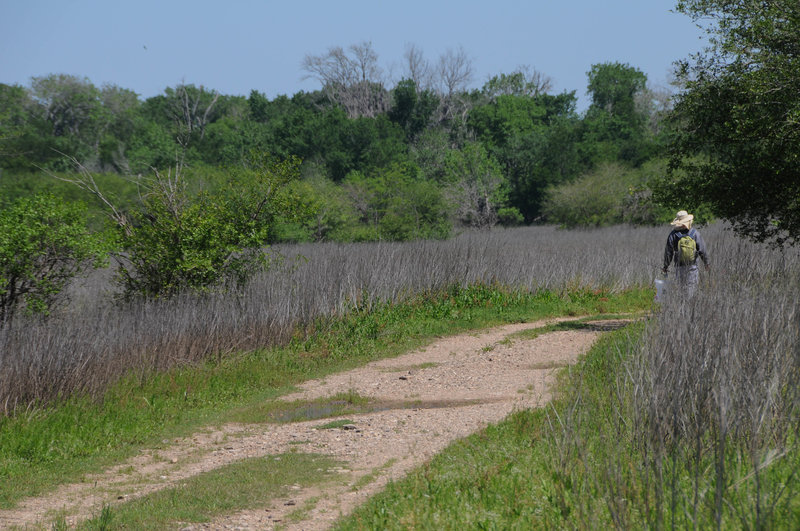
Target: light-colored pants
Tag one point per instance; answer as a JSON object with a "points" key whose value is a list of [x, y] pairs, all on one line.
{"points": [[687, 278]]}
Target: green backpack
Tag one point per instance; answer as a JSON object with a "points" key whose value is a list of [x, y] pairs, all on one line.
{"points": [[687, 250]]}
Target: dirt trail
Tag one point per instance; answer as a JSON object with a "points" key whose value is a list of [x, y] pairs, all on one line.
{"points": [[456, 386]]}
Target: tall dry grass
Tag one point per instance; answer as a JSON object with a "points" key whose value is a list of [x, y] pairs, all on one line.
{"points": [[717, 387], [705, 409], [95, 341]]}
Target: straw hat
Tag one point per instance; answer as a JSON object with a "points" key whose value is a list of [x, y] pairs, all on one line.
{"points": [[682, 218]]}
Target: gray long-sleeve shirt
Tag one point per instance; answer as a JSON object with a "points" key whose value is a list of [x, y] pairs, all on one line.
{"points": [[671, 249]]}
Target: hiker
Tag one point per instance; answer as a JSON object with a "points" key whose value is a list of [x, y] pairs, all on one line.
{"points": [[684, 246]]}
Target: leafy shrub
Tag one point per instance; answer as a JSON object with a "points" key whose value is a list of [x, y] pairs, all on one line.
{"points": [[396, 204], [477, 187], [609, 195], [43, 244], [510, 216], [177, 241]]}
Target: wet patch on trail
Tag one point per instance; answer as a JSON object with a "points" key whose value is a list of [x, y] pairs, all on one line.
{"points": [[314, 410]]}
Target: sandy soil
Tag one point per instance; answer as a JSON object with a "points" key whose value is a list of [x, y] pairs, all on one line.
{"points": [[449, 389]]}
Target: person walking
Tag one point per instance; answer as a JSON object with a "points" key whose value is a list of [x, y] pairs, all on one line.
{"points": [[684, 246]]}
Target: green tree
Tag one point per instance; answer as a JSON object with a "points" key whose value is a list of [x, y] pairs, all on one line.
{"points": [[534, 139], [522, 82], [177, 240], [738, 116], [614, 128], [73, 111], [151, 145], [373, 143], [412, 109], [44, 243], [229, 140], [614, 86], [368, 196], [344, 145], [120, 110], [330, 215], [258, 105], [415, 209], [18, 139], [476, 188], [397, 204], [428, 152], [288, 126]]}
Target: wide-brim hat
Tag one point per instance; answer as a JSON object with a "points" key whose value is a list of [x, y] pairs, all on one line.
{"points": [[682, 218]]}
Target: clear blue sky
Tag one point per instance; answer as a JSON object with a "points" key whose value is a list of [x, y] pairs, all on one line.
{"points": [[235, 46]]}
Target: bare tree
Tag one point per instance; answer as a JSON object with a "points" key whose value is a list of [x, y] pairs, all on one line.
{"points": [[366, 62], [654, 102], [83, 179], [455, 71], [538, 82], [353, 80], [418, 69], [472, 199], [191, 109]]}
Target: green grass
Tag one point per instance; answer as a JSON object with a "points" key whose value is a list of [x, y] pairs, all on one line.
{"points": [[492, 480], [573, 464], [246, 484], [48, 446], [501, 478]]}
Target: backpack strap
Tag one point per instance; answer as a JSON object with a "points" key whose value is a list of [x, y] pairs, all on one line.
{"points": [[679, 235]]}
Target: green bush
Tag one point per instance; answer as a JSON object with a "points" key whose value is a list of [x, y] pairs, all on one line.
{"points": [[609, 195], [510, 216], [178, 241], [396, 204], [44, 243]]}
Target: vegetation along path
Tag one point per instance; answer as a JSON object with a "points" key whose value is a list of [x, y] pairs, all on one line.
{"points": [[411, 407]]}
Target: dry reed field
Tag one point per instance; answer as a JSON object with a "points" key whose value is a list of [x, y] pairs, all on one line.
{"points": [[95, 341], [705, 405], [717, 386], [702, 401]]}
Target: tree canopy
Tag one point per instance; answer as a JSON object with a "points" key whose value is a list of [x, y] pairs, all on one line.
{"points": [[738, 118], [417, 159]]}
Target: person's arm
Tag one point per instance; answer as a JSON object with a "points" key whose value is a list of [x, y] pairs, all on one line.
{"points": [[701, 250], [668, 253]]}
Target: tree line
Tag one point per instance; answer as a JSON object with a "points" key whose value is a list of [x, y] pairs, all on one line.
{"points": [[492, 151], [194, 180]]}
